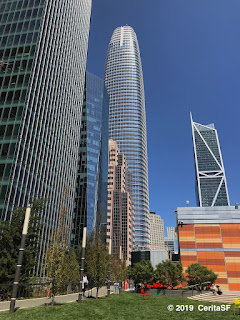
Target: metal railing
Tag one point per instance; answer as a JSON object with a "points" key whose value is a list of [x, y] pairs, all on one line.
{"points": [[195, 288], [35, 290]]}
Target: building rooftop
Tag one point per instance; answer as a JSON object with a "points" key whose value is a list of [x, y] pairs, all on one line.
{"points": [[196, 215]]}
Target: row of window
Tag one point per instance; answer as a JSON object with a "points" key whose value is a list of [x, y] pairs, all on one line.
{"points": [[13, 96], [21, 15], [16, 81], [11, 113], [12, 28], [13, 5], [16, 53], [17, 39]]}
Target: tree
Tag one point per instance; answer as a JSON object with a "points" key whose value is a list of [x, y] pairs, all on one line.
{"points": [[169, 273], [142, 271], [198, 274], [61, 263], [118, 269], [10, 239], [97, 259]]}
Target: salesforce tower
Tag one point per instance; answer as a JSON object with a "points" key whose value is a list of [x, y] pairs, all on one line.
{"points": [[127, 120]]}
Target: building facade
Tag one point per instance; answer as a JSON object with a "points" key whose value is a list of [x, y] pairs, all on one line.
{"points": [[156, 232], [154, 256], [120, 213], [211, 184], [211, 236], [43, 52], [127, 120], [171, 241], [171, 233], [92, 178]]}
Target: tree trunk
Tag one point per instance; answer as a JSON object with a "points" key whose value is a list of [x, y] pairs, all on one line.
{"points": [[97, 293], [69, 288], [52, 302]]}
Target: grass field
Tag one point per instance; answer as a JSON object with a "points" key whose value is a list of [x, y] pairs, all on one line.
{"points": [[123, 306]]}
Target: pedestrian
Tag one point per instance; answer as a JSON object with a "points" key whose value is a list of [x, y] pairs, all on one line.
{"points": [[213, 289], [48, 293], [84, 283], [219, 290]]}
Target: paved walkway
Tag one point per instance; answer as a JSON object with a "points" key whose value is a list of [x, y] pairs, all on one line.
{"points": [[226, 297], [28, 303]]}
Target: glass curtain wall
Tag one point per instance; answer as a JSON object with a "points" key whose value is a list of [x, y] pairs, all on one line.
{"points": [[127, 120]]}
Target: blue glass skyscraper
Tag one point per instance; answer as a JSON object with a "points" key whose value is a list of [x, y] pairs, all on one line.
{"points": [[127, 120], [91, 200]]}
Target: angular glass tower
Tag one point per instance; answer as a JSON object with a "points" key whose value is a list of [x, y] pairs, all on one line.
{"points": [[91, 191], [211, 184], [127, 120], [43, 52]]}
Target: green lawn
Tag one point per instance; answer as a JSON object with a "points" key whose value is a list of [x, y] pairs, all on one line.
{"points": [[123, 306]]}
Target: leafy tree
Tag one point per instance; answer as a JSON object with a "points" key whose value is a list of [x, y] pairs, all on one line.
{"points": [[118, 269], [97, 259], [169, 273], [78, 253], [71, 267], [142, 271], [61, 263], [10, 239], [198, 274]]}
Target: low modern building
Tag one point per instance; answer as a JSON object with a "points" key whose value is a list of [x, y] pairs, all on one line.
{"points": [[156, 232], [91, 189], [120, 208], [155, 256], [211, 236]]}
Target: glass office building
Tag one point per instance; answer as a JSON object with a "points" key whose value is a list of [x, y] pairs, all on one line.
{"points": [[92, 179], [127, 120], [43, 52], [211, 184]]}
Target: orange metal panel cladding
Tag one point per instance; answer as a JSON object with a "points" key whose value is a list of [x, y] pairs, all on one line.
{"points": [[209, 230], [209, 245], [210, 237], [186, 227], [234, 286], [234, 274], [187, 244], [210, 254], [232, 254], [221, 281], [233, 266]]}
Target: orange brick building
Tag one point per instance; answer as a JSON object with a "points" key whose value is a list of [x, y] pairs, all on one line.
{"points": [[211, 236]]}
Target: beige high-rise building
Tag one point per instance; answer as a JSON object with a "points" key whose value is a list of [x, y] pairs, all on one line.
{"points": [[156, 232], [120, 212]]}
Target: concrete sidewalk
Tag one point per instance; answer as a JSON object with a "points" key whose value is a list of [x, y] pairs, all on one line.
{"points": [[29, 303]]}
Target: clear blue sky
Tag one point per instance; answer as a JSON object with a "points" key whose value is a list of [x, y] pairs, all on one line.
{"points": [[190, 52]]}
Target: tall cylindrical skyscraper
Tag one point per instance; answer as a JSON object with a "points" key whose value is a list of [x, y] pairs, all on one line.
{"points": [[127, 120]]}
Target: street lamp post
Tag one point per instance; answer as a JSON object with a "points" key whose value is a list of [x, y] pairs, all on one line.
{"points": [[20, 259], [109, 272], [82, 264], [120, 258]]}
